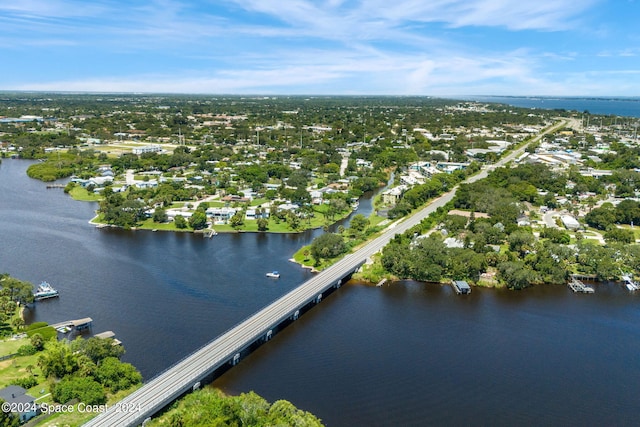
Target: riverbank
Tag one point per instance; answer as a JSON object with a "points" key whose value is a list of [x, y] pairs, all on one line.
{"points": [[249, 226]]}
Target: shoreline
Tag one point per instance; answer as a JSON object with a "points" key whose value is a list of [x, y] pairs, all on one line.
{"points": [[204, 231]]}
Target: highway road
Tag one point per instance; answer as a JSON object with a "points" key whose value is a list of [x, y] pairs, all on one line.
{"points": [[187, 373]]}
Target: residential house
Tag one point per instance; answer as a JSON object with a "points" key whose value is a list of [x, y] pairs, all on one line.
{"points": [[523, 221], [392, 196], [219, 215], [18, 397], [570, 223]]}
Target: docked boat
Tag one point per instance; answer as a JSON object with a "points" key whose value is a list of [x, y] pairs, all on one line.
{"points": [[45, 291], [273, 274], [629, 283]]}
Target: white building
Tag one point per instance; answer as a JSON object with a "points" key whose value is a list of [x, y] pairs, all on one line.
{"points": [[153, 148], [570, 222]]}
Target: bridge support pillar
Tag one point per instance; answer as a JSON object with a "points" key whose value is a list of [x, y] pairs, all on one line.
{"points": [[295, 315], [338, 283], [236, 359], [269, 334], [318, 298]]}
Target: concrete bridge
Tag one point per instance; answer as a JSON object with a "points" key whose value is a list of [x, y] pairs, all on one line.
{"points": [[229, 348]]}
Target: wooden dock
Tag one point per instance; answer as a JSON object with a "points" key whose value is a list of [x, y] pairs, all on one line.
{"points": [[578, 287]]}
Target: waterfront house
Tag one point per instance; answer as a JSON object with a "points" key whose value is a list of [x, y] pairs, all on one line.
{"points": [[221, 214]]}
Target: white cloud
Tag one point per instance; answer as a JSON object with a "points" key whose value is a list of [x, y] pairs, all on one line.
{"points": [[43, 9], [304, 46], [355, 17]]}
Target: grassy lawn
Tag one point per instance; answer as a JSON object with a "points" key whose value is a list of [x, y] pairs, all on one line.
{"points": [[14, 368], [375, 220], [10, 346], [81, 194], [308, 261], [258, 202], [214, 204], [319, 220]]}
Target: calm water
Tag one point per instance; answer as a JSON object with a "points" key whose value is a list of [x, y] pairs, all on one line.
{"points": [[407, 354], [629, 107]]}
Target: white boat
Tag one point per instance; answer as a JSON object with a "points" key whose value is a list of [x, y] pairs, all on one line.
{"points": [[45, 291], [273, 274]]}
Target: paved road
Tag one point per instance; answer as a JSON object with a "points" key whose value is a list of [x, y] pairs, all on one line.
{"points": [[185, 374], [548, 219]]}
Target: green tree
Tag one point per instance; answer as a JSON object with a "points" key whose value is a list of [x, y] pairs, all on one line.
{"points": [[57, 360], [465, 264], [16, 290], [598, 260], [117, 375], [37, 341], [237, 220], [516, 274], [83, 388], [293, 220], [180, 222], [263, 224], [555, 235], [521, 241], [359, 223], [198, 220], [160, 215], [98, 349], [621, 235], [428, 259], [327, 246], [602, 217]]}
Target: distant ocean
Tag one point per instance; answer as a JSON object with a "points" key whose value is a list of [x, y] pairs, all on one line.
{"points": [[617, 106]]}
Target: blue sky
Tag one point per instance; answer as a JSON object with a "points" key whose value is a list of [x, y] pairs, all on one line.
{"points": [[343, 47]]}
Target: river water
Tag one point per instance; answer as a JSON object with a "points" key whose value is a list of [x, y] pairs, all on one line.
{"points": [[406, 354]]}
